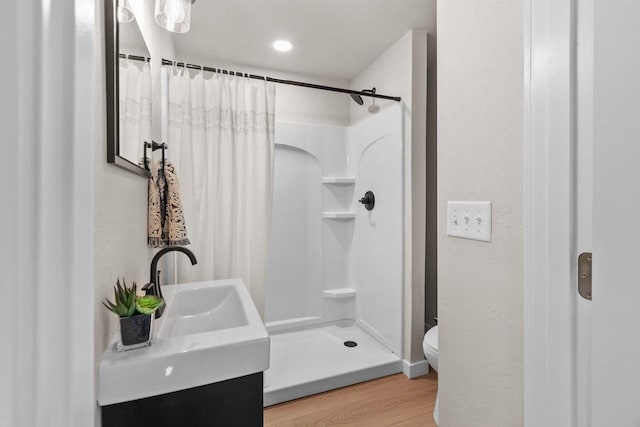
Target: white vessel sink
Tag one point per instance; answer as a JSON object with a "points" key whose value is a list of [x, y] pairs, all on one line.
{"points": [[209, 332]]}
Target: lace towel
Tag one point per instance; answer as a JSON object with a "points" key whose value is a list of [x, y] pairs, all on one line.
{"points": [[165, 225]]}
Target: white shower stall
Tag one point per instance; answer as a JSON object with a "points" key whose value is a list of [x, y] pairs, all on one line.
{"points": [[335, 268]]}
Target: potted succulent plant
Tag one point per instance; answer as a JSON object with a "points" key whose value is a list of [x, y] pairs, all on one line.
{"points": [[135, 313]]}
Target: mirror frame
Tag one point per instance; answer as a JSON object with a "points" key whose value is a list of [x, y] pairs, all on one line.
{"points": [[112, 58]]}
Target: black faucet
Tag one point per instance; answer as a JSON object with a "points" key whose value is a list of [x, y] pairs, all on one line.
{"points": [[153, 287]]}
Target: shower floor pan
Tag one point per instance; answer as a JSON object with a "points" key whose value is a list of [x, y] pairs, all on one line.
{"points": [[314, 360]]}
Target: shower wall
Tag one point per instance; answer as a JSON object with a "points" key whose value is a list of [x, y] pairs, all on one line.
{"points": [[376, 152], [307, 254], [330, 259]]}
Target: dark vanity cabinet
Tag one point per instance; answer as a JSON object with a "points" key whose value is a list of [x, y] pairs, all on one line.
{"points": [[235, 402]]}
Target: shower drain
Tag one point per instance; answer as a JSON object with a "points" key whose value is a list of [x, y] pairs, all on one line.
{"points": [[350, 343]]}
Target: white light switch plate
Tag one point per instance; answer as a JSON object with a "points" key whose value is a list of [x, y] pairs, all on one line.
{"points": [[469, 220]]}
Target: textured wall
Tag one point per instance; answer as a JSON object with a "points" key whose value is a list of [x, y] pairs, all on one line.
{"points": [[402, 71], [480, 134]]}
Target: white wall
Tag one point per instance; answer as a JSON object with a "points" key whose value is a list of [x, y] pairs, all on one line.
{"points": [[402, 71], [480, 134], [120, 196]]}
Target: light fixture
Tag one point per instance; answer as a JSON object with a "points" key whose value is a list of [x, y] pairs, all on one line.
{"points": [[282, 45], [174, 15], [124, 11]]}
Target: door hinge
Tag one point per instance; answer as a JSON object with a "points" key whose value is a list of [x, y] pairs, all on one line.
{"points": [[584, 275]]}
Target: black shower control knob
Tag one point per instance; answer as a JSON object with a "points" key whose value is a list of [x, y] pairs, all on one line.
{"points": [[369, 200]]}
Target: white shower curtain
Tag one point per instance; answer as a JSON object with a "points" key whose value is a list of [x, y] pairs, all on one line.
{"points": [[221, 138], [135, 108]]}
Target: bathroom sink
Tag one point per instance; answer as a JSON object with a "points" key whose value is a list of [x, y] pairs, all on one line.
{"points": [[209, 332], [199, 308]]}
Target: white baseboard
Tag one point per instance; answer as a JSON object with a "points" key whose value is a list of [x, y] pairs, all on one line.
{"points": [[416, 369]]}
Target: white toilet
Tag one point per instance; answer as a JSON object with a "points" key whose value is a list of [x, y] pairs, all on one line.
{"points": [[430, 346]]}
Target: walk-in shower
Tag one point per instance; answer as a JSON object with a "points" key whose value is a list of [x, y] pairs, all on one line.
{"points": [[333, 298], [334, 293]]}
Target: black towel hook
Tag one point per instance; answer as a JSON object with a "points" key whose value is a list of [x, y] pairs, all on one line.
{"points": [[154, 146]]}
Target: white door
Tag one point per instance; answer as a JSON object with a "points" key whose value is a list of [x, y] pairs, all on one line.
{"points": [[615, 323], [582, 194]]}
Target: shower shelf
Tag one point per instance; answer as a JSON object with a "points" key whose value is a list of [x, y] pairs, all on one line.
{"points": [[338, 215], [339, 293], [338, 180]]}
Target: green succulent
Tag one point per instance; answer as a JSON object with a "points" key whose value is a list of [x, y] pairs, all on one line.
{"points": [[148, 304], [125, 300]]}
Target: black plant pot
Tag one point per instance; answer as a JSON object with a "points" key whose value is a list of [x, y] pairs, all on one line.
{"points": [[135, 331]]}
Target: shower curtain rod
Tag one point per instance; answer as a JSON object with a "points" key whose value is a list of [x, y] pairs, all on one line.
{"points": [[135, 57], [281, 81]]}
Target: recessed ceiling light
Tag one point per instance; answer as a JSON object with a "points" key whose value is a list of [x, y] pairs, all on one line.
{"points": [[282, 45]]}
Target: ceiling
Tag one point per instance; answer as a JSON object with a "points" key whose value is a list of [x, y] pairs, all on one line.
{"points": [[331, 38]]}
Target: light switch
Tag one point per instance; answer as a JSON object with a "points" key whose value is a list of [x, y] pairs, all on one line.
{"points": [[469, 220]]}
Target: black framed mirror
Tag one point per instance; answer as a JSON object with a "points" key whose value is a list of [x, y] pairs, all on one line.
{"points": [[128, 76]]}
